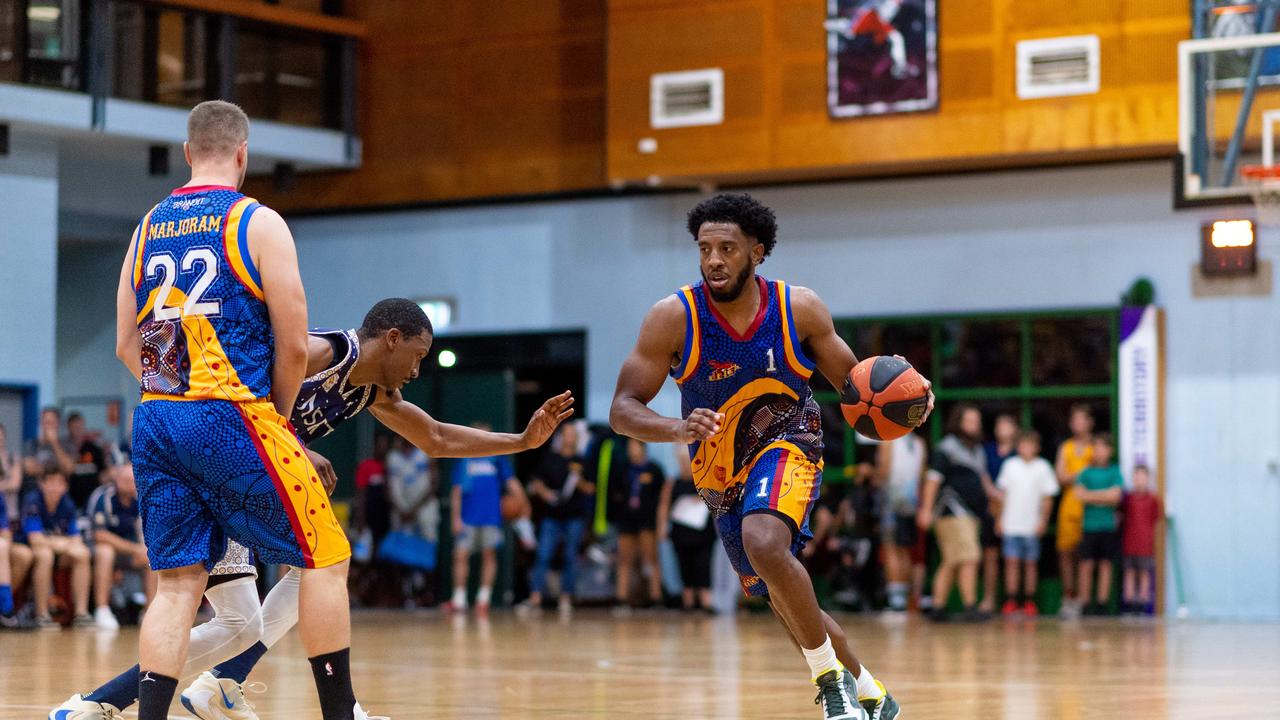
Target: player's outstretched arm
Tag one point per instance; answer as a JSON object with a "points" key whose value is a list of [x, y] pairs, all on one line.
{"points": [[642, 375], [439, 439], [128, 339], [271, 245]]}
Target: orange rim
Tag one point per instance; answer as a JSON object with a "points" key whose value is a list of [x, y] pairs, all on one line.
{"points": [[1260, 172]]}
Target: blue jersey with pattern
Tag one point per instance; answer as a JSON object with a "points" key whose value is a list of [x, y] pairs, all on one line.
{"points": [[201, 310], [759, 380], [328, 398]]}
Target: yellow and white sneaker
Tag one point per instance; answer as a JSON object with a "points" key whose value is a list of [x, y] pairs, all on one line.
{"points": [[77, 708], [212, 698], [881, 707]]}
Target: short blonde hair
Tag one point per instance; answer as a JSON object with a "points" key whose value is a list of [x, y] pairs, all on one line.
{"points": [[216, 128]]}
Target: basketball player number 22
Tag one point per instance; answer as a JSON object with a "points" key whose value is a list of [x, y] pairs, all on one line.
{"points": [[164, 264]]}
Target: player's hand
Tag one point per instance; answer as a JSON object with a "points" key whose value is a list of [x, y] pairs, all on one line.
{"points": [[457, 527], [701, 424], [548, 417], [928, 409], [324, 470]]}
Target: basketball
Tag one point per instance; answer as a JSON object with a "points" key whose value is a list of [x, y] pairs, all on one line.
{"points": [[884, 398], [512, 507]]}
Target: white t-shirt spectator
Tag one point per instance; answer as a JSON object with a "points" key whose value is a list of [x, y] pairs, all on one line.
{"points": [[1025, 485]]}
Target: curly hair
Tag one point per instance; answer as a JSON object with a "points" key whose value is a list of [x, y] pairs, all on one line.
{"points": [[404, 315], [750, 215]]}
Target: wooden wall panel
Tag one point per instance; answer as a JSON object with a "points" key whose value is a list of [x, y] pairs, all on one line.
{"points": [[469, 99], [775, 52]]}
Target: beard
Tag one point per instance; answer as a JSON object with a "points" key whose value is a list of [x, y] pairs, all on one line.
{"points": [[732, 290]]}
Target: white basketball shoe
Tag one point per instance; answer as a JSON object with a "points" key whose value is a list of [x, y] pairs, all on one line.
{"points": [[77, 708], [212, 698]]}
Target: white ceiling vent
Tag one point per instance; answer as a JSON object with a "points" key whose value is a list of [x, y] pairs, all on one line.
{"points": [[683, 99], [1054, 67]]}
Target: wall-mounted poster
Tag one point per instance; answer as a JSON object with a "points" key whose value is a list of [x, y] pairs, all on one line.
{"points": [[882, 56]]}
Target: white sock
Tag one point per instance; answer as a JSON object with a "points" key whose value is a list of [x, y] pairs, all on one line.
{"points": [[823, 659], [280, 608], [867, 687], [459, 597], [482, 595]]}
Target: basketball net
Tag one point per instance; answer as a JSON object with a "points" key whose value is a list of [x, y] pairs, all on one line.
{"points": [[1263, 182]]}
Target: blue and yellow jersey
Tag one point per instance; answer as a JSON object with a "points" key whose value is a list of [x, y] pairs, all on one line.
{"points": [[759, 380], [201, 311]]}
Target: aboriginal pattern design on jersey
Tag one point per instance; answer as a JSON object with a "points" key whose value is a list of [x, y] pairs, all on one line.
{"points": [[758, 379], [201, 313], [328, 398]]}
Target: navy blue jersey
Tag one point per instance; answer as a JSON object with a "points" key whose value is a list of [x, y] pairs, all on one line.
{"points": [[759, 380], [36, 516], [328, 398], [108, 511], [201, 309]]}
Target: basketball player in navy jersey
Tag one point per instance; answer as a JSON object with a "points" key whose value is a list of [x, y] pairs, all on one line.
{"points": [[348, 372], [742, 349]]}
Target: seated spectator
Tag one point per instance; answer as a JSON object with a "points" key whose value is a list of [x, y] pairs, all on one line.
{"points": [[90, 463], [50, 448], [15, 561], [1100, 488], [10, 474], [635, 513], [1143, 513], [478, 485], [561, 491], [1029, 484], [692, 533], [117, 541], [415, 510], [50, 528]]}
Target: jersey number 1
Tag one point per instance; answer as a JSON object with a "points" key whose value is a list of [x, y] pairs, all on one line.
{"points": [[164, 265], [773, 366]]}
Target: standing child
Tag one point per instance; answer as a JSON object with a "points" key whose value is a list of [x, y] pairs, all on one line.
{"points": [[1029, 485], [1143, 513], [1099, 487]]}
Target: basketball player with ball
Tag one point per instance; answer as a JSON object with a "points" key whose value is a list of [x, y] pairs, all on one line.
{"points": [[742, 349]]}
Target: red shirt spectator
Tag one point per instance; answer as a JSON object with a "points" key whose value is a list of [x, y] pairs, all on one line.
{"points": [[1142, 512], [370, 472]]}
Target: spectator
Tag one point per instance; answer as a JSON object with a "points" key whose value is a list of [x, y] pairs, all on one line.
{"points": [[1028, 484], [50, 528], [373, 508], [90, 462], [48, 449], [10, 474], [478, 485], [411, 490], [562, 492], [1005, 445], [1142, 512], [1099, 488], [636, 504], [692, 533], [955, 492], [900, 468], [15, 561], [117, 541], [1074, 455]]}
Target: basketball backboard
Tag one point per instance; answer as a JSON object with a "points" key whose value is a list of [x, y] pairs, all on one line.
{"points": [[1228, 98]]}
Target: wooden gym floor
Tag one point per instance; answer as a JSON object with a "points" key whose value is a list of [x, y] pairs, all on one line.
{"points": [[662, 665]]}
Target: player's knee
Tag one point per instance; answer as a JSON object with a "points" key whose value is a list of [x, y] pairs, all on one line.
{"points": [[766, 539], [4, 548], [103, 553], [43, 554]]}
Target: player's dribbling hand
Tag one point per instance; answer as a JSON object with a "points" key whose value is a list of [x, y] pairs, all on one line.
{"points": [[324, 470], [700, 425], [548, 417]]}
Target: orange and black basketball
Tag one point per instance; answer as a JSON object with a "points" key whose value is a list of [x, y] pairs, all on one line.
{"points": [[513, 507], [885, 398]]}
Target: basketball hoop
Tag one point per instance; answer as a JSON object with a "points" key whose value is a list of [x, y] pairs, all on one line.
{"points": [[1263, 182]]}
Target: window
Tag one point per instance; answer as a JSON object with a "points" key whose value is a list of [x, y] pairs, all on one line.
{"points": [[53, 43], [1034, 366]]}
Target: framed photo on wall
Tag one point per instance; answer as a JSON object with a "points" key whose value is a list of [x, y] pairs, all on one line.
{"points": [[882, 56]]}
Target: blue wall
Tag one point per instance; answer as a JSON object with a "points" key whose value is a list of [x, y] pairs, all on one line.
{"points": [[1037, 239]]}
